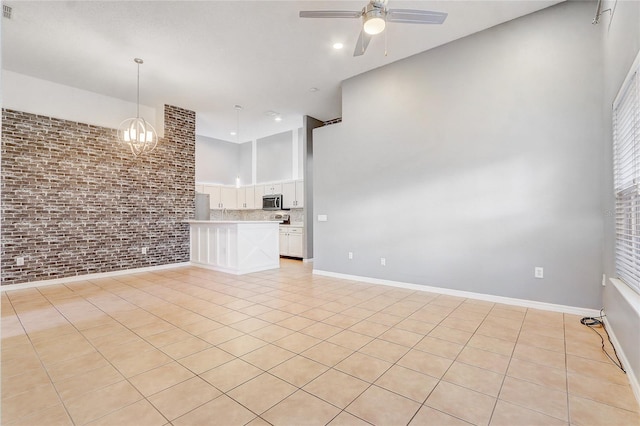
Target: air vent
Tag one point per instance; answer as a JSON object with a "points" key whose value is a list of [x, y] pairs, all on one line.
{"points": [[6, 11], [334, 121]]}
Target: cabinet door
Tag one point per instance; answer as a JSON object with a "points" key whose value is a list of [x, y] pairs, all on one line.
{"points": [[295, 244], [284, 243], [259, 192], [241, 196], [215, 202], [299, 194], [273, 188], [289, 195], [250, 202], [229, 197]]}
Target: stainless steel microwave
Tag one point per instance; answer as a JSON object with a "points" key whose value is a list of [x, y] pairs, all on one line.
{"points": [[272, 202]]}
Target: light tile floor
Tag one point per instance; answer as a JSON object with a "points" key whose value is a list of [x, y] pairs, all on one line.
{"points": [[189, 346]]}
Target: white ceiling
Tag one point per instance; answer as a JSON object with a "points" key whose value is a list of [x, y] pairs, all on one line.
{"points": [[208, 56]]}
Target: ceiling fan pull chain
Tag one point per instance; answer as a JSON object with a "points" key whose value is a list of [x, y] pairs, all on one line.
{"points": [[386, 33]]}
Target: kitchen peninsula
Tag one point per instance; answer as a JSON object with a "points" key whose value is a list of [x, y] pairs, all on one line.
{"points": [[235, 246]]}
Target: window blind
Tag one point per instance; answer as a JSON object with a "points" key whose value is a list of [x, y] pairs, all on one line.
{"points": [[626, 167]]}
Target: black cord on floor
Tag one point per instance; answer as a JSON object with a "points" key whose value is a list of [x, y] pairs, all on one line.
{"points": [[592, 322]]}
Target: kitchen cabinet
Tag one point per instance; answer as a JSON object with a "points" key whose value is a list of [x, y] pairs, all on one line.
{"points": [[266, 189], [250, 197], [258, 192], [272, 188], [221, 197], [246, 198], [229, 197], [291, 241], [293, 194]]}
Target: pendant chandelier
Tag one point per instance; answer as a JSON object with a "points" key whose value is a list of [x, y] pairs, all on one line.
{"points": [[136, 132]]}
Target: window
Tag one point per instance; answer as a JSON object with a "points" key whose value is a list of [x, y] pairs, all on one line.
{"points": [[626, 169]]}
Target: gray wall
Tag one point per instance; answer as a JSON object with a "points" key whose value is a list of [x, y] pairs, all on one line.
{"points": [[301, 157], [621, 43], [219, 161], [274, 157], [244, 163], [307, 133], [482, 161]]}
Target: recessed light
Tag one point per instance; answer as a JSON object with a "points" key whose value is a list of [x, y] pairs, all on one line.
{"points": [[338, 46], [233, 133], [314, 89], [278, 118]]}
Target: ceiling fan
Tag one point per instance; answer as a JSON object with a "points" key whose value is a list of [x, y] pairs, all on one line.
{"points": [[374, 16]]}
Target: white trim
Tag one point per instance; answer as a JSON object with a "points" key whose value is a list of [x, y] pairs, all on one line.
{"points": [[627, 293], [235, 271], [634, 68], [76, 278], [467, 294], [633, 379], [308, 260]]}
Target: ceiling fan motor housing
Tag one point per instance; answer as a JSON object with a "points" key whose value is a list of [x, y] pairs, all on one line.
{"points": [[374, 17]]}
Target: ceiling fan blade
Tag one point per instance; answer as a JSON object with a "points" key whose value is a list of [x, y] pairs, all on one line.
{"points": [[330, 14], [410, 16], [362, 43]]}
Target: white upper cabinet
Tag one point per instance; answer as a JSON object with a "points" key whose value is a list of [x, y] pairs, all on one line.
{"points": [[293, 194], [272, 188], [215, 199], [221, 197], [229, 197], [258, 193], [246, 198], [250, 197]]}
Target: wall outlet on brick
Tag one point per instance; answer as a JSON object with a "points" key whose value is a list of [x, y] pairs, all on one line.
{"points": [[20, 261], [144, 250]]}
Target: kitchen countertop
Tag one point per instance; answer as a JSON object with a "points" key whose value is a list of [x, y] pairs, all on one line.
{"points": [[294, 225]]}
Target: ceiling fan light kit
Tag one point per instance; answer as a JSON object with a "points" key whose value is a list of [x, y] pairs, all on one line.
{"points": [[373, 20], [375, 16]]}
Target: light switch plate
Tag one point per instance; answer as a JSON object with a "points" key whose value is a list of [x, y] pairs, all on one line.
{"points": [[322, 218]]}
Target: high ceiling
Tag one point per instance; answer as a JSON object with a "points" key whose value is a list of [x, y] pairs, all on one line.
{"points": [[211, 55]]}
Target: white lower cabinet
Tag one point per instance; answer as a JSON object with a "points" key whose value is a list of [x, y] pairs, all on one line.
{"points": [[291, 241]]}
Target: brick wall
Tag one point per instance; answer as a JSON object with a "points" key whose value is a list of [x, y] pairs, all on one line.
{"points": [[76, 202]]}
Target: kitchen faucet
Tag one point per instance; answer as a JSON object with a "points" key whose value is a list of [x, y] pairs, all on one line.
{"points": [[223, 210]]}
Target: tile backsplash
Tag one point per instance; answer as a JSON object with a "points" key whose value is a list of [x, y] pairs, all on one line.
{"points": [[297, 215]]}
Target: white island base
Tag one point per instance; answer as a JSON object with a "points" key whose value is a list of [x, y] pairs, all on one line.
{"points": [[235, 247]]}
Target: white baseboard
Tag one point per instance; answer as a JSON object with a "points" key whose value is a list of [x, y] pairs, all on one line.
{"points": [[308, 260], [633, 379], [236, 271], [76, 278], [467, 294]]}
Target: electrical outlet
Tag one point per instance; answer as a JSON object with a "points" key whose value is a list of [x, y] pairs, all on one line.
{"points": [[383, 261], [20, 261], [538, 272], [144, 250], [350, 255], [604, 280]]}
